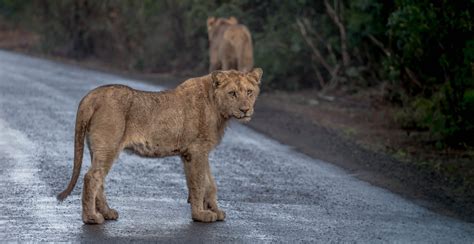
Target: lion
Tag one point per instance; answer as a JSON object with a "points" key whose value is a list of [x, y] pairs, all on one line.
{"points": [[187, 121], [230, 45]]}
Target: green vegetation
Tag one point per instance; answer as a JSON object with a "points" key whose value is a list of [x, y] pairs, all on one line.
{"points": [[433, 46], [422, 51]]}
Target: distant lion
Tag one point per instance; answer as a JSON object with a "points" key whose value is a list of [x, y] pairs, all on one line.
{"points": [[188, 121], [230, 45]]}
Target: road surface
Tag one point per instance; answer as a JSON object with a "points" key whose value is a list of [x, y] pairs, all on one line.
{"points": [[270, 192]]}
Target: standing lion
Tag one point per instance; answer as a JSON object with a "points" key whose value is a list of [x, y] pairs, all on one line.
{"points": [[188, 121], [230, 45]]}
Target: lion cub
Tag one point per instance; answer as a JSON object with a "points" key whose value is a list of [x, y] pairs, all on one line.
{"points": [[188, 121], [230, 45]]}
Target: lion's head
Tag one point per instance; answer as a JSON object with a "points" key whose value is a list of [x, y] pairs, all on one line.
{"points": [[236, 92], [214, 23]]}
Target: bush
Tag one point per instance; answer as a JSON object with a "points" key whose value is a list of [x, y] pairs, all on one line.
{"points": [[433, 53]]}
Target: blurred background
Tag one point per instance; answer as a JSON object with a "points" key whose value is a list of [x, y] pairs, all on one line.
{"points": [[394, 77]]}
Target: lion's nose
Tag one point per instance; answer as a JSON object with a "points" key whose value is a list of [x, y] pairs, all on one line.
{"points": [[244, 110]]}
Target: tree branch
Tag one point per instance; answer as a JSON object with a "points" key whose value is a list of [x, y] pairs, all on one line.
{"points": [[308, 41], [412, 77], [342, 31], [379, 44], [321, 39]]}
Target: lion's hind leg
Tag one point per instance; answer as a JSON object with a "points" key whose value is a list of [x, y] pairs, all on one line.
{"points": [[94, 205], [102, 206], [105, 138], [92, 182]]}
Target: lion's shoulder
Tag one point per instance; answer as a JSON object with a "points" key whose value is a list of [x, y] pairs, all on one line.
{"points": [[196, 85]]}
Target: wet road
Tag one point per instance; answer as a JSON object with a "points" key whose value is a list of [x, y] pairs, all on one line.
{"points": [[269, 191]]}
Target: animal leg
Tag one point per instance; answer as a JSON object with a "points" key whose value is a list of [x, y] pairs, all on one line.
{"points": [[104, 141], [102, 206], [197, 181], [92, 183], [210, 198], [94, 203], [214, 65], [226, 64]]}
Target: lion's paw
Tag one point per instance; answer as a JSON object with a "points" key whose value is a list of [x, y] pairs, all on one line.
{"points": [[220, 215], [92, 219], [204, 216], [112, 214]]}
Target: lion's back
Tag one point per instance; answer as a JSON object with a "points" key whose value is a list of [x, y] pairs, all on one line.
{"points": [[236, 34], [234, 46], [110, 97]]}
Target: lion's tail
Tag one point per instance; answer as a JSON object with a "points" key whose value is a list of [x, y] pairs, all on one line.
{"points": [[84, 114]]}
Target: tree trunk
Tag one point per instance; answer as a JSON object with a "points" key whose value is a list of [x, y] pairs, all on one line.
{"points": [[346, 60]]}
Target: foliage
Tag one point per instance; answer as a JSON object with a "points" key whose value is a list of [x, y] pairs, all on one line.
{"points": [[9, 9], [434, 38]]}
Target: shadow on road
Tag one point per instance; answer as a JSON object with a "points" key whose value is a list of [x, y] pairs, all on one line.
{"points": [[191, 231]]}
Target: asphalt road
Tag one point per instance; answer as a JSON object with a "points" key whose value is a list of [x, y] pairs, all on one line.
{"points": [[270, 192]]}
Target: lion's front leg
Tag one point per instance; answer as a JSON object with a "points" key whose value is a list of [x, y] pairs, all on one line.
{"points": [[197, 181], [210, 198]]}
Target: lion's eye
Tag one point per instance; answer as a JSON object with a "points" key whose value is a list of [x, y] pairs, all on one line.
{"points": [[249, 92], [233, 93]]}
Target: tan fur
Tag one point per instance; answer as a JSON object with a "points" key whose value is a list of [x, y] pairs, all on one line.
{"points": [[188, 121], [230, 45]]}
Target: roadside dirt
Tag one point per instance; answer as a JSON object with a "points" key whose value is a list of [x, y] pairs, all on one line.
{"points": [[354, 132]]}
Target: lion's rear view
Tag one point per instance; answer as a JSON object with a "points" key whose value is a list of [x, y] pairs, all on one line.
{"points": [[85, 112], [239, 37], [230, 45]]}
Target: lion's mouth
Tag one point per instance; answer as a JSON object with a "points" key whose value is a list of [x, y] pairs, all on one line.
{"points": [[244, 118]]}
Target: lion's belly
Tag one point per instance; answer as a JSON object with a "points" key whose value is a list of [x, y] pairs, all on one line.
{"points": [[153, 150], [159, 144], [158, 136]]}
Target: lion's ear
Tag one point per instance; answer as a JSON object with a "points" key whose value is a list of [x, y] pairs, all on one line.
{"points": [[232, 20], [256, 74], [217, 78], [210, 21]]}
